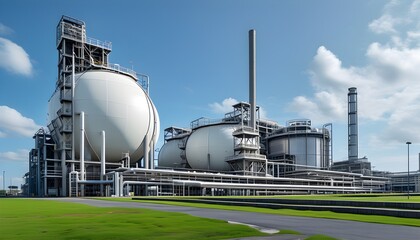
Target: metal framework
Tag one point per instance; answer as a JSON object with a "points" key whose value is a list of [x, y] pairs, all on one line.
{"points": [[139, 181], [247, 159], [53, 159], [44, 170]]}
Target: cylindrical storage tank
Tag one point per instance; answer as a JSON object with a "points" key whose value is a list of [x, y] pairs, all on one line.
{"points": [[209, 146], [309, 147], [170, 154], [113, 103]]}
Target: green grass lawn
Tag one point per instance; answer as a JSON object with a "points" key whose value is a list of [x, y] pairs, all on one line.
{"points": [[307, 213], [48, 219], [357, 197], [385, 197]]}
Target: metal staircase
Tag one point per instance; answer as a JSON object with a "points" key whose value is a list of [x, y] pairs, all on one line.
{"points": [[247, 159]]}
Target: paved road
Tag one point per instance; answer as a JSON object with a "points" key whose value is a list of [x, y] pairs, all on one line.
{"points": [[308, 226]]}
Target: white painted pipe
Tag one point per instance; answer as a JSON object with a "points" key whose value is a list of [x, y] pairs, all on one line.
{"points": [[102, 162], [82, 146], [82, 152], [116, 184], [102, 182], [146, 151], [73, 82], [152, 156], [103, 156], [121, 187]]}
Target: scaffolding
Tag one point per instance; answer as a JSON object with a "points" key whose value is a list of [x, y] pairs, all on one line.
{"points": [[44, 178], [77, 53], [247, 159]]}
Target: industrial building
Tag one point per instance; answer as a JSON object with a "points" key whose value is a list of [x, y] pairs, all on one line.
{"points": [[103, 127], [93, 98], [402, 182]]}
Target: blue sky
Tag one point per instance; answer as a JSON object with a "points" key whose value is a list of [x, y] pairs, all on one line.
{"points": [[196, 54]]}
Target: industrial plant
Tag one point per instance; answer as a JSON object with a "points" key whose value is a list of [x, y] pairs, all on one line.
{"points": [[103, 128]]}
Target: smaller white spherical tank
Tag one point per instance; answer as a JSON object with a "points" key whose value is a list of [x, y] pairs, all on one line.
{"points": [[170, 154], [208, 147]]}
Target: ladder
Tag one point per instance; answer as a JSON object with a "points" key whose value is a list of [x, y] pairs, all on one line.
{"points": [[73, 186]]}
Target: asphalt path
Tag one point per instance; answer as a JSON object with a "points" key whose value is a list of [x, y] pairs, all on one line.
{"points": [[341, 229]]}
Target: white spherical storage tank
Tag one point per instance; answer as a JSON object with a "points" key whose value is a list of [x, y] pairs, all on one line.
{"points": [[170, 154], [208, 147], [113, 103]]}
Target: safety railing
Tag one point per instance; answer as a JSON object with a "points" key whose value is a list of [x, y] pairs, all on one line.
{"points": [[118, 68], [99, 43], [253, 156], [247, 145], [206, 121]]}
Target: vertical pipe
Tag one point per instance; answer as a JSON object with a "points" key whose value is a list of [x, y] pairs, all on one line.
{"points": [[152, 155], [116, 184], [352, 124], [63, 170], [103, 156], [38, 172], [328, 145], [103, 162], [408, 169], [44, 159], [146, 151], [121, 187], [73, 72], [82, 151], [332, 150], [252, 77]]}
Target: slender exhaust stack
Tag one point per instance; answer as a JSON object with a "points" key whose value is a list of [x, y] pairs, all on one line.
{"points": [[352, 124], [252, 78]]}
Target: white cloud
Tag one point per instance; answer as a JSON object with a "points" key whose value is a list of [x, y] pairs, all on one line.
{"points": [[5, 30], [397, 18], [224, 107], [384, 24], [415, 7], [306, 108], [20, 155], [413, 36], [263, 113], [13, 58], [388, 85], [391, 5], [12, 121]]}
